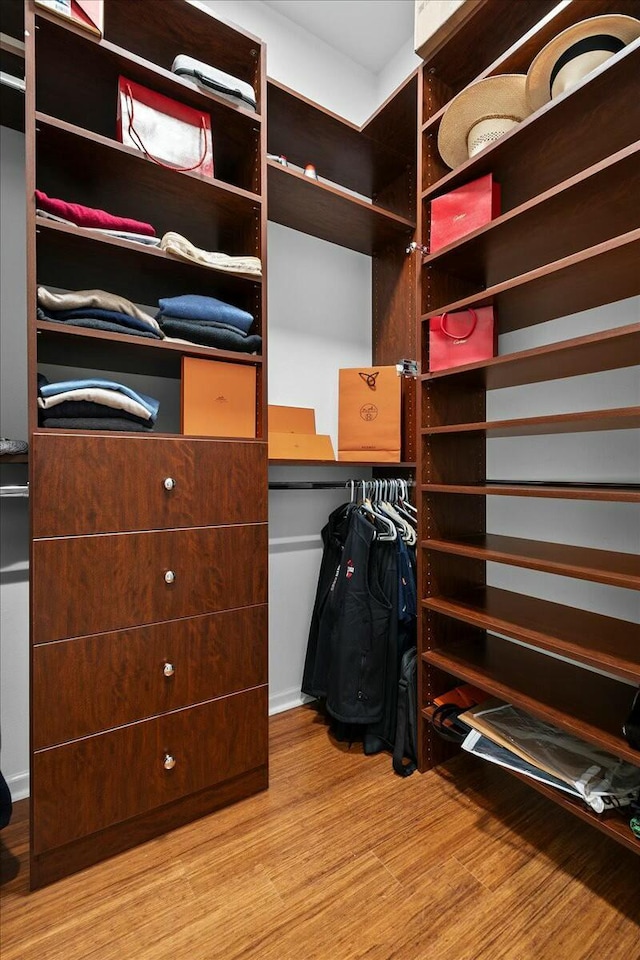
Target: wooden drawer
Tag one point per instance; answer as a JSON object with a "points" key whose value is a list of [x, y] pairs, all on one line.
{"points": [[85, 585], [85, 786], [85, 686], [100, 484]]}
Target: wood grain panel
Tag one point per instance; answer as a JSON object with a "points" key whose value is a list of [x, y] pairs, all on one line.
{"points": [[86, 585], [210, 743], [84, 686], [100, 484]]}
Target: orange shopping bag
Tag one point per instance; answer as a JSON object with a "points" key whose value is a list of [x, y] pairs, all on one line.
{"points": [[369, 411]]}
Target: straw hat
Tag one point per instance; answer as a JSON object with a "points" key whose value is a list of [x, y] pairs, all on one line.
{"points": [[482, 113], [576, 52]]}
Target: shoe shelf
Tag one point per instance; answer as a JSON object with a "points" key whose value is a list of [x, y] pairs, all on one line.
{"points": [[606, 350], [604, 643], [79, 258], [400, 465], [600, 566], [624, 418], [93, 106], [522, 160], [605, 492], [326, 212], [589, 278], [586, 704], [592, 205]]}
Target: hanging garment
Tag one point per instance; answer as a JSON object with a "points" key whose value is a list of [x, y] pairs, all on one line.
{"points": [[362, 623]]}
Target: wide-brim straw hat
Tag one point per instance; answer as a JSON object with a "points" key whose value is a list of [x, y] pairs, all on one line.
{"points": [[503, 96], [585, 40]]}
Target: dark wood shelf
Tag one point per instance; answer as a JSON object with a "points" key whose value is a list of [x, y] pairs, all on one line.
{"points": [[78, 165], [518, 57], [623, 418], [586, 704], [305, 132], [589, 208], [79, 258], [59, 343], [618, 493], [604, 643], [522, 161], [601, 274], [612, 823], [235, 130], [14, 458], [601, 566], [608, 350], [402, 465], [323, 211]]}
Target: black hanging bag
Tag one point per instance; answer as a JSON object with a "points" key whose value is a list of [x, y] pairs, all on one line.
{"points": [[405, 751]]}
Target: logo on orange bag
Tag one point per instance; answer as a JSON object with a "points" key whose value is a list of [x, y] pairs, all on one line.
{"points": [[370, 379], [368, 412]]}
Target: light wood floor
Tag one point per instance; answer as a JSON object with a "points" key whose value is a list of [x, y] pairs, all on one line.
{"points": [[341, 859]]}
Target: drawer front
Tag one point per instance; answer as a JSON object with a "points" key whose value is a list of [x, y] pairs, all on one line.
{"points": [[85, 786], [85, 585], [87, 685], [102, 484]]}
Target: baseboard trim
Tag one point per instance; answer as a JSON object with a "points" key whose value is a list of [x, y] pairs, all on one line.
{"points": [[287, 700], [18, 786]]}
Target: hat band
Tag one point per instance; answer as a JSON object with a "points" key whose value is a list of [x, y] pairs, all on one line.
{"points": [[601, 42]]}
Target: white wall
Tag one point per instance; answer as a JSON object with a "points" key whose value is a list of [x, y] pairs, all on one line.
{"points": [[14, 517], [303, 62]]}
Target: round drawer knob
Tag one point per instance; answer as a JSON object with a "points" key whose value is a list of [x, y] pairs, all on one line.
{"points": [[168, 669], [169, 483], [169, 577], [168, 762]]}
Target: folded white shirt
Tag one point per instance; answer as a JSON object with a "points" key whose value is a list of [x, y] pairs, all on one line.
{"points": [[179, 246]]}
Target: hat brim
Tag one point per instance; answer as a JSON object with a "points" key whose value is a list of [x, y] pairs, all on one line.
{"points": [[617, 25], [500, 96]]}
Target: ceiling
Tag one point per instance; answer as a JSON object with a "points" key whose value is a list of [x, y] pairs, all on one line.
{"points": [[369, 32]]}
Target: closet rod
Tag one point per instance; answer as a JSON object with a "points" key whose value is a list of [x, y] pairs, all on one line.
{"points": [[8, 80], [320, 484], [14, 490]]}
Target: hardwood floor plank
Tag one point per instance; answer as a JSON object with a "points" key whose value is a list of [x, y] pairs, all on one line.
{"points": [[341, 860]]}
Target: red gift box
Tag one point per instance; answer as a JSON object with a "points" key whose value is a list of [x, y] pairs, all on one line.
{"points": [[463, 210], [465, 336], [166, 131]]}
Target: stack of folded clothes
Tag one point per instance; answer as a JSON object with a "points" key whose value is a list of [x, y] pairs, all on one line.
{"points": [[98, 310], [179, 246], [208, 321], [77, 215], [94, 405]]}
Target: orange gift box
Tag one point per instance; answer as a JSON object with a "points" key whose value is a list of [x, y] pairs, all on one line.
{"points": [[300, 446], [292, 419], [218, 399]]}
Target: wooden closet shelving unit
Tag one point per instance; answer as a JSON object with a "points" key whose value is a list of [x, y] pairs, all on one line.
{"points": [[12, 63], [567, 240], [149, 697], [368, 204]]}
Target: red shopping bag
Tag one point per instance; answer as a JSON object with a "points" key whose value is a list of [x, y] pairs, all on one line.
{"points": [[465, 336], [463, 210], [166, 131]]}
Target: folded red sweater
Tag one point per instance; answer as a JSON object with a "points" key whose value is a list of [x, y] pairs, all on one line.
{"points": [[88, 217]]}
